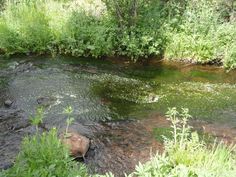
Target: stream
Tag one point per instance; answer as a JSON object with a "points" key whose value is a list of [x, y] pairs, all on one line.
{"points": [[118, 105]]}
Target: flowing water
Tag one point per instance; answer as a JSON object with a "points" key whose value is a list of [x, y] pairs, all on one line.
{"points": [[118, 105]]}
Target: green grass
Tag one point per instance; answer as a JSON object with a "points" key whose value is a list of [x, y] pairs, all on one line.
{"points": [[186, 155], [24, 28], [162, 132], [44, 155], [202, 35], [196, 31]]}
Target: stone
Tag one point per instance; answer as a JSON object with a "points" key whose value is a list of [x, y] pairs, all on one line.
{"points": [[14, 125], [13, 65], [11, 119], [46, 101], [7, 165], [78, 144], [8, 103]]}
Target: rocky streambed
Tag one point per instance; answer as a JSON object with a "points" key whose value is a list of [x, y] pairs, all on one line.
{"points": [[118, 106]]}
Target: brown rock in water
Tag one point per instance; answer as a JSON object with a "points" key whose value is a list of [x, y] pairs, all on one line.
{"points": [[78, 144]]}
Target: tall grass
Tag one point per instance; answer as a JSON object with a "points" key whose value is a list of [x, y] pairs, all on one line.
{"points": [[39, 26], [24, 27]]}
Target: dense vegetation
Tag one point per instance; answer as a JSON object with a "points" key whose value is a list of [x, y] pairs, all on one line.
{"points": [[185, 155], [194, 30], [202, 31]]}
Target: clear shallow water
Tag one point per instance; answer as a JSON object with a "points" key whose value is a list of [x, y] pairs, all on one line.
{"points": [[102, 90], [209, 92], [114, 101]]}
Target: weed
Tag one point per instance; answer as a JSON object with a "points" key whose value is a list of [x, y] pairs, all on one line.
{"points": [[37, 119], [187, 155], [68, 111], [44, 155]]}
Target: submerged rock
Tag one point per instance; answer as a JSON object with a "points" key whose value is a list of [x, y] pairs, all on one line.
{"points": [[12, 120], [14, 125], [20, 67], [46, 101], [78, 144], [8, 103], [13, 65]]}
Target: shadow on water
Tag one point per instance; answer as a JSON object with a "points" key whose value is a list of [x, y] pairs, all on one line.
{"points": [[117, 105]]}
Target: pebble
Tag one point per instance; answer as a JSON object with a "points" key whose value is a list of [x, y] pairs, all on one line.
{"points": [[8, 103]]}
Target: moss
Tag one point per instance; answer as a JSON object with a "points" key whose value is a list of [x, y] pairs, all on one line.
{"points": [[122, 88], [203, 91]]}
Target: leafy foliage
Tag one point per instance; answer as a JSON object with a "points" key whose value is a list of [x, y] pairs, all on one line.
{"points": [[201, 31], [37, 119], [85, 35], [203, 34], [44, 155], [187, 155], [68, 112], [24, 27]]}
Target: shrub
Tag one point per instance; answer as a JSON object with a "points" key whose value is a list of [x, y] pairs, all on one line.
{"points": [[2, 2], [202, 31], [203, 34], [193, 39], [86, 35], [138, 33], [230, 57]]}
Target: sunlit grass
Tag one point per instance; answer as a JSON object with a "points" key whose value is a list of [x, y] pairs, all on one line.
{"points": [[186, 155], [44, 155]]}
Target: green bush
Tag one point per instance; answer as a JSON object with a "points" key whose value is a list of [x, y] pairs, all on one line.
{"points": [[44, 155], [201, 31], [193, 39], [230, 57], [186, 155], [139, 43], [86, 35], [202, 35], [24, 27], [139, 34]]}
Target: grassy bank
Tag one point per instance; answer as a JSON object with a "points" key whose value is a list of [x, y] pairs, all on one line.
{"points": [[200, 31], [44, 155], [185, 155]]}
